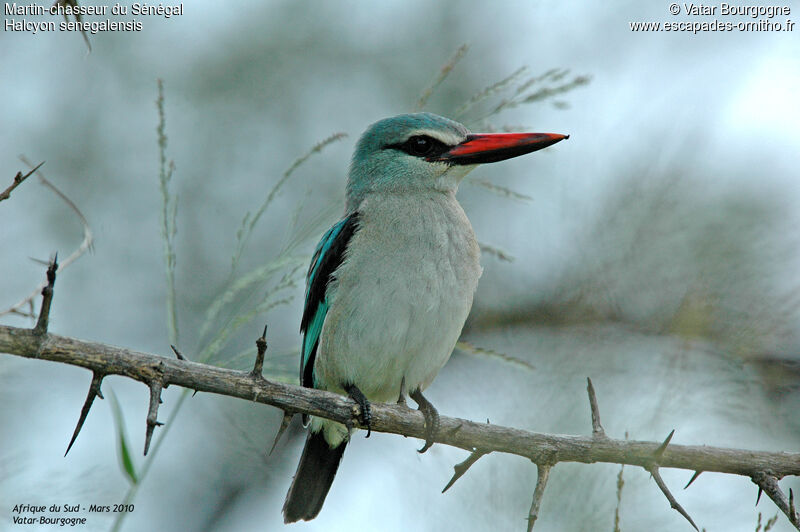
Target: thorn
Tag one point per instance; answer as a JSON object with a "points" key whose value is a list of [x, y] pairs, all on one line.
{"points": [[462, 468], [47, 298], [287, 418], [597, 427], [194, 393], [177, 353], [94, 390], [758, 497], [454, 430], [261, 346], [152, 413], [663, 447], [665, 490], [542, 474], [768, 483], [694, 477]]}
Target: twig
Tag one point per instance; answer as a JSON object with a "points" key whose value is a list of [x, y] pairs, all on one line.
{"points": [[78, 18], [47, 298], [665, 490], [658, 454], [462, 467], [85, 245], [18, 179], [768, 483], [542, 474], [258, 373]]}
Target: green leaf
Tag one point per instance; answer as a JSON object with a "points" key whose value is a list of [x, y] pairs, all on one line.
{"points": [[125, 459]]}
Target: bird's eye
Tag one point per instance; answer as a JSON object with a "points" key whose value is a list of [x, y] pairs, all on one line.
{"points": [[419, 146]]}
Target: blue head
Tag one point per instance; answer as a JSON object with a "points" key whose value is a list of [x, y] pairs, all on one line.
{"points": [[423, 151]]}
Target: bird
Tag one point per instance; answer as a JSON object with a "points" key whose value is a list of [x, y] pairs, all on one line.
{"points": [[390, 285]]}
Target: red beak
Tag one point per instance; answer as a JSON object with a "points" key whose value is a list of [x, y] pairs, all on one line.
{"points": [[493, 147]]}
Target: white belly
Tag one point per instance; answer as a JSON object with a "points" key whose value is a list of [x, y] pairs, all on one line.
{"points": [[401, 297]]}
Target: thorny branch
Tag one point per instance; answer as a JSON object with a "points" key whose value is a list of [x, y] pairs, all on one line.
{"points": [[545, 450]]}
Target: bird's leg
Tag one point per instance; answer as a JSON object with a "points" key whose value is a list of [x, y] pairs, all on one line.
{"points": [[431, 418], [401, 400], [356, 395]]}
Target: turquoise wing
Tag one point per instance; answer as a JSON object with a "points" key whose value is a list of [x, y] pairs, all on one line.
{"points": [[328, 256]]}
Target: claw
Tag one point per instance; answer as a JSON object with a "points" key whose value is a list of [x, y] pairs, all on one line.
{"points": [[431, 418], [363, 404]]}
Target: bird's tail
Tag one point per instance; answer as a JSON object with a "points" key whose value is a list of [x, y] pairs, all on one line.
{"points": [[313, 479]]}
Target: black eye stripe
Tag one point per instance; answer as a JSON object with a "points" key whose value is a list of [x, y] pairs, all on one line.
{"points": [[421, 146]]}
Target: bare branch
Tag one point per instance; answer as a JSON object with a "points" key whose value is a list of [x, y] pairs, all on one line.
{"points": [[658, 454], [85, 245], [542, 474], [18, 179], [391, 418], [665, 490], [543, 449], [462, 467]]}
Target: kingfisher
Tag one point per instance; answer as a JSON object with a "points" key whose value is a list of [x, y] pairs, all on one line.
{"points": [[391, 284]]}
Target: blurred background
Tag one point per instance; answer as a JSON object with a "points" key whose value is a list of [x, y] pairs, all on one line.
{"points": [[656, 252]]}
